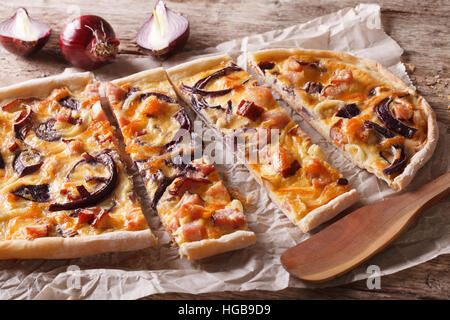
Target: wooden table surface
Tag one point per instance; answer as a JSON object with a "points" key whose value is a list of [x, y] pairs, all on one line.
{"points": [[422, 28]]}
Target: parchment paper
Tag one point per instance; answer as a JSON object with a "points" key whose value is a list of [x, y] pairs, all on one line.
{"points": [[133, 275]]}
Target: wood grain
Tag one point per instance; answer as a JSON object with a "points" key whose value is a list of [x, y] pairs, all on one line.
{"points": [[421, 28]]}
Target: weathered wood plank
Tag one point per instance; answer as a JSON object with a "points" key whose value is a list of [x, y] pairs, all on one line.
{"points": [[427, 281], [426, 43]]}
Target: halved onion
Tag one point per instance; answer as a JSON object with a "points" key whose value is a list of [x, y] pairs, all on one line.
{"points": [[23, 35], [165, 33]]}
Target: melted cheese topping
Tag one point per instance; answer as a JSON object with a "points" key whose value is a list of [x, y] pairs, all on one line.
{"points": [[147, 124], [188, 215], [298, 187], [213, 197], [76, 134], [365, 92]]}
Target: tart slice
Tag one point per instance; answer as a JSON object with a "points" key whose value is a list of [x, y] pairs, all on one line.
{"points": [[375, 119], [277, 152], [64, 191], [188, 194]]}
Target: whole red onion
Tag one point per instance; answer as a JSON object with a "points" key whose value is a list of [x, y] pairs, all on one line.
{"points": [[88, 42]]}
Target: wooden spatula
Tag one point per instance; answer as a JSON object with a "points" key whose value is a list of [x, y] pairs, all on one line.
{"points": [[359, 235]]}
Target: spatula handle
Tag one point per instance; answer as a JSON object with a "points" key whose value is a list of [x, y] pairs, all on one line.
{"points": [[435, 191], [359, 235]]}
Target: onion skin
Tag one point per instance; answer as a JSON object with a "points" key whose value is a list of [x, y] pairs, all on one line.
{"points": [[348, 111], [159, 95], [398, 164], [23, 168], [22, 123], [24, 48], [200, 84], [92, 199], [35, 193], [2, 162], [45, 131], [266, 65], [163, 183], [387, 118], [80, 46]]}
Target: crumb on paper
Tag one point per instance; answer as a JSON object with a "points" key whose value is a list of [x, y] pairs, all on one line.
{"points": [[410, 67], [430, 82]]}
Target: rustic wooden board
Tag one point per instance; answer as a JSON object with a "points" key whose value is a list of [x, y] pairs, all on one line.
{"points": [[421, 28]]}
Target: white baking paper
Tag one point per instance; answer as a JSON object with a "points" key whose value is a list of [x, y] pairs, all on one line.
{"points": [[133, 275]]}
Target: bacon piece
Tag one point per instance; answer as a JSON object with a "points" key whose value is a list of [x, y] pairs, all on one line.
{"points": [[336, 134], [183, 184], [173, 225], [317, 172], [193, 232], [342, 76], [202, 166], [64, 115], [133, 129], [13, 105], [402, 109], [96, 217], [219, 192], [97, 112], [332, 91], [293, 71], [355, 128], [123, 121], [249, 110], [102, 220], [204, 169], [190, 205], [191, 199], [114, 93], [92, 90], [295, 78], [261, 96], [340, 81], [58, 94], [298, 132], [14, 145], [314, 168], [134, 219], [37, 231], [292, 64], [284, 163], [272, 120], [276, 119], [85, 216], [228, 218]]}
